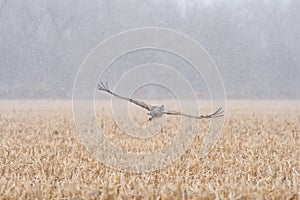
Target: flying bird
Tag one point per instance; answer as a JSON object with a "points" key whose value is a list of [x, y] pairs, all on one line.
{"points": [[158, 111]]}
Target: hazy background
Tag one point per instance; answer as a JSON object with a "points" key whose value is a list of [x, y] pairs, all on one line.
{"points": [[255, 44]]}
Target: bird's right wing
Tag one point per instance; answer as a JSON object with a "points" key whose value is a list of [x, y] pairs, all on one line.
{"points": [[105, 88], [218, 113]]}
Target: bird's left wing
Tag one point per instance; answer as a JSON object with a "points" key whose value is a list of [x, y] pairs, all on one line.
{"points": [[105, 88], [218, 113]]}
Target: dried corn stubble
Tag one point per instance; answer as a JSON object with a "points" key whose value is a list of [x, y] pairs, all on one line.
{"points": [[257, 157]]}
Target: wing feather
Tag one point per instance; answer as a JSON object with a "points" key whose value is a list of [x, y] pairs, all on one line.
{"points": [[218, 113], [105, 88]]}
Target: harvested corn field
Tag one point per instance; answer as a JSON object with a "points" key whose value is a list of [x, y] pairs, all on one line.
{"points": [[257, 156]]}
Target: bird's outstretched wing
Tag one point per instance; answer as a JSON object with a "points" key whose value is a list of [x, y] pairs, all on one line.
{"points": [[104, 87], [219, 113]]}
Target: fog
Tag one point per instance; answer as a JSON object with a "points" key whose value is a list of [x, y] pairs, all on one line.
{"points": [[255, 44]]}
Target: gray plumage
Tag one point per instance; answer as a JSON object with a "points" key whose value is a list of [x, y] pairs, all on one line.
{"points": [[157, 111]]}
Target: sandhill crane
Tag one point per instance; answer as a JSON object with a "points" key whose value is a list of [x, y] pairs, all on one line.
{"points": [[158, 111]]}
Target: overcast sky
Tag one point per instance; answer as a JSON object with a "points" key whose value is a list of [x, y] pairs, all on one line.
{"points": [[255, 44]]}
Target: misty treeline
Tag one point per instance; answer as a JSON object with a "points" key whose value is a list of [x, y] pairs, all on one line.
{"points": [[255, 44]]}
